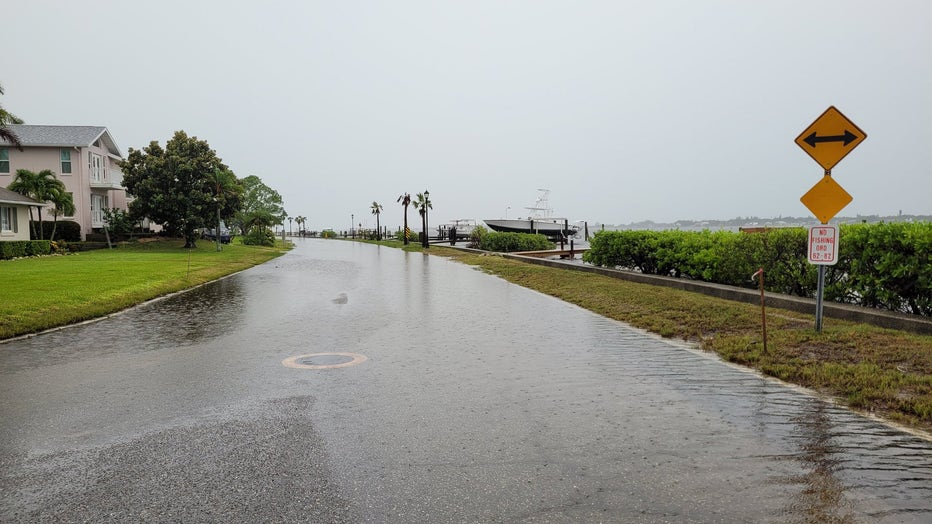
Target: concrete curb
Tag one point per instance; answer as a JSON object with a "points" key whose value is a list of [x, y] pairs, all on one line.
{"points": [[875, 317]]}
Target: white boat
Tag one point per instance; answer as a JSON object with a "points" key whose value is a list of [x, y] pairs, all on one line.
{"points": [[462, 226], [539, 221]]}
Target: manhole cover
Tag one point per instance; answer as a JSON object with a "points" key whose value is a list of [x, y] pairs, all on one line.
{"points": [[324, 360]]}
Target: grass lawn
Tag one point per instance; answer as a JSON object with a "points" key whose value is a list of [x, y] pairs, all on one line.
{"points": [[45, 292], [874, 370]]}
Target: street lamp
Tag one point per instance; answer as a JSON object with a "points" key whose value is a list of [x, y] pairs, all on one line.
{"points": [[426, 226], [352, 220]]}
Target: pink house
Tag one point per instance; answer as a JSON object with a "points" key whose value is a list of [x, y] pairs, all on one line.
{"points": [[84, 158]]}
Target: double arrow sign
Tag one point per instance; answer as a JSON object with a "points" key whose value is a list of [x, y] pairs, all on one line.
{"points": [[845, 139], [830, 138]]}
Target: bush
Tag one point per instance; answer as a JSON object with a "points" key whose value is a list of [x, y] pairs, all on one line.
{"points": [[882, 265], [475, 237], [119, 223], [259, 236], [65, 230], [24, 248], [510, 242]]}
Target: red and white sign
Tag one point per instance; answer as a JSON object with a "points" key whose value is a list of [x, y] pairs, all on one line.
{"points": [[823, 245]]}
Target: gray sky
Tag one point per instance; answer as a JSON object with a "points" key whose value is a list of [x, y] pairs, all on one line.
{"points": [[627, 111]]}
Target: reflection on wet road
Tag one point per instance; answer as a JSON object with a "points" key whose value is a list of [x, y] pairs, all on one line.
{"points": [[476, 401]]}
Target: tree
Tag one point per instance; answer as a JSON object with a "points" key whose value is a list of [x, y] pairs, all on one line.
{"points": [[377, 210], [41, 186], [301, 221], [64, 205], [260, 199], [405, 200], [174, 187], [422, 204], [7, 118], [227, 195]]}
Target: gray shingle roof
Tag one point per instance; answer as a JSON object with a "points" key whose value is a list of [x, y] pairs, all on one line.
{"points": [[12, 197], [62, 136]]}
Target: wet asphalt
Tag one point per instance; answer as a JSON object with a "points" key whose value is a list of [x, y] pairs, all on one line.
{"points": [[477, 401]]}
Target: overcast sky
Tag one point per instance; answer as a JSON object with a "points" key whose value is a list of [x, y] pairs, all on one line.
{"points": [[625, 110]]}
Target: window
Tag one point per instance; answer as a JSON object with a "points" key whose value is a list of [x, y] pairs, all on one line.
{"points": [[66, 161], [93, 166], [4, 160], [72, 200], [8, 219]]}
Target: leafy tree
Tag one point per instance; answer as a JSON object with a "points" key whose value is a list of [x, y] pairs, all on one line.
{"points": [[7, 118], [422, 204], [405, 200], [41, 186], [118, 222], [259, 200], [175, 186], [64, 205], [377, 210]]}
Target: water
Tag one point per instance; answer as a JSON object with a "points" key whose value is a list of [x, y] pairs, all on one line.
{"points": [[478, 401]]}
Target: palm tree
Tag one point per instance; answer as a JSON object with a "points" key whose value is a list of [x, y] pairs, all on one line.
{"points": [[7, 118], [377, 210], [300, 220], [225, 187], [39, 186], [64, 205], [422, 205], [405, 200]]}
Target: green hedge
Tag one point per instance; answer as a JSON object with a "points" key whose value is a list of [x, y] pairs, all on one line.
{"points": [[509, 242], [67, 230], [24, 248], [879, 265]]}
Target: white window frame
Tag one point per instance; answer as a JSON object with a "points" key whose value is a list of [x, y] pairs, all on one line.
{"points": [[95, 169], [8, 219], [5, 158], [65, 152]]}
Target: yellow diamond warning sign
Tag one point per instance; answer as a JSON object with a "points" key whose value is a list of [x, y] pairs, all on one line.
{"points": [[826, 199], [830, 138]]}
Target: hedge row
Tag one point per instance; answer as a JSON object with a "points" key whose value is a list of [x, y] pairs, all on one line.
{"points": [[24, 248], [510, 242], [887, 266], [67, 230]]}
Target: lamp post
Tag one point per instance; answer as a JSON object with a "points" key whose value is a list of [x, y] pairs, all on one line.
{"points": [[352, 220], [426, 226]]}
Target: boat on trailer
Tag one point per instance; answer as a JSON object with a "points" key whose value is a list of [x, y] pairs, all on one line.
{"points": [[539, 221]]}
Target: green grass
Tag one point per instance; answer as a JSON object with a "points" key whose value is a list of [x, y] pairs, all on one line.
{"points": [[45, 292], [875, 370]]}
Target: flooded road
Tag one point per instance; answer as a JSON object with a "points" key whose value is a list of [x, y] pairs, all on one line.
{"points": [[353, 383]]}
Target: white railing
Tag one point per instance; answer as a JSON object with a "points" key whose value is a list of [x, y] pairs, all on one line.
{"points": [[112, 179]]}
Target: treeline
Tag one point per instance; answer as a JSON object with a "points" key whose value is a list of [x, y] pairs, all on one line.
{"points": [[885, 265]]}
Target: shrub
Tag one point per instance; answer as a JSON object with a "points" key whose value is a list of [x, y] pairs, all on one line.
{"points": [[119, 223], [24, 248], [509, 242], [475, 237], [885, 266], [259, 236], [65, 230]]}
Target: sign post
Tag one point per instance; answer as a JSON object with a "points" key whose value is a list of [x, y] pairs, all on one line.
{"points": [[827, 140], [823, 251]]}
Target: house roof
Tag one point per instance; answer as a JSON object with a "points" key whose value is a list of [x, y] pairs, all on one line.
{"points": [[12, 197], [63, 136]]}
